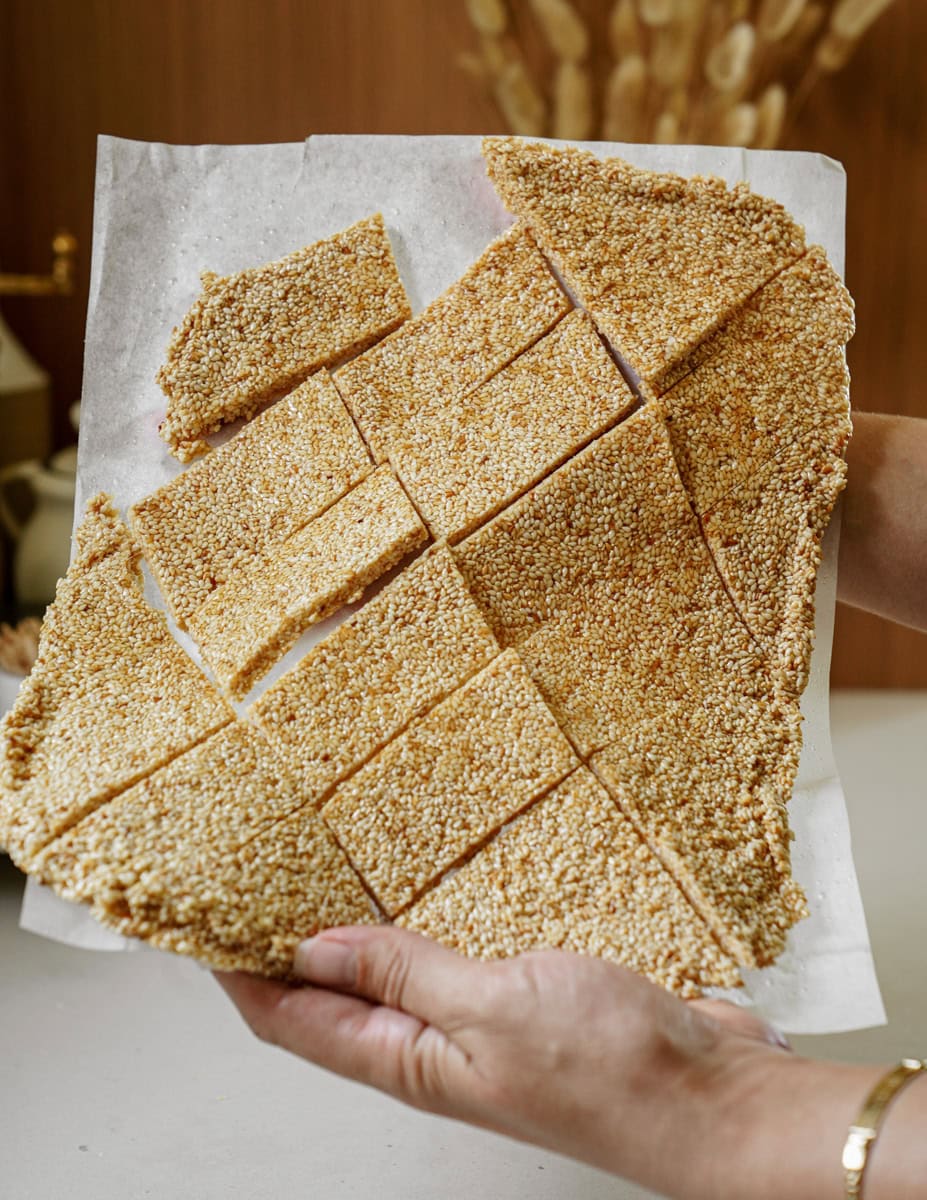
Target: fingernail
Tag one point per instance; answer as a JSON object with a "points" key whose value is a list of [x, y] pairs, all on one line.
{"points": [[326, 962], [778, 1039]]}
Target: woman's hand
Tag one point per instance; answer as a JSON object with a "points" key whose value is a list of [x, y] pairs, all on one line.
{"points": [[568, 1052]]}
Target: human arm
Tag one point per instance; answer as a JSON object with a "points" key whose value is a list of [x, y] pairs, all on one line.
{"points": [[582, 1057], [883, 538]]}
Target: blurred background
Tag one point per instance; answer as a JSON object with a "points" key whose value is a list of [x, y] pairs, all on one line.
{"points": [[843, 78]]}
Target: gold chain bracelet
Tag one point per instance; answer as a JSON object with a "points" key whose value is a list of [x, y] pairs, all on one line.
{"points": [[864, 1132]]}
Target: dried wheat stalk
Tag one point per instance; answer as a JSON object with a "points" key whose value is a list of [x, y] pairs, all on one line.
{"points": [[624, 31], [488, 17], [625, 95], [666, 129], [770, 116], [777, 18], [728, 63], [833, 51], [562, 28], [738, 125], [573, 102], [657, 12], [519, 100], [851, 18]]}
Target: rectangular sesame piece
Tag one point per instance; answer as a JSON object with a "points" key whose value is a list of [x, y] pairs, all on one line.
{"points": [[255, 335], [773, 374], [249, 623], [657, 260], [659, 629], [579, 525], [407, 649], [503, 303], [453, 777], [111, 698], [572, 873], [283, 468], [765, 537], [708, 787], [212, 855], [464, 459]]}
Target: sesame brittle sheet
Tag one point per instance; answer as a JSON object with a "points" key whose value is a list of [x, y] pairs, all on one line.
{"points": [[165, 213]]}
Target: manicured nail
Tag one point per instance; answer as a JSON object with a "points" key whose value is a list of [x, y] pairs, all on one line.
{"points": [[326, 963], [778, 1039]]}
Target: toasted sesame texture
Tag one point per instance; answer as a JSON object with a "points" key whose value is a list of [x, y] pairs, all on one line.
{"points": [[447, 782], [409, 648], [255, 335], [708, 786], [250, 622], [576, 528], [775, 372], [572, 873], [659, 261], [659, 630], [110, 699], [464, 459], [766, 540], [212, 855], [248, 496], [503, 303]]}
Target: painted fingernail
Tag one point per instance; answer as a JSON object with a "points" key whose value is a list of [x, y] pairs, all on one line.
{"points": [[325, 962], [778, 1039]]}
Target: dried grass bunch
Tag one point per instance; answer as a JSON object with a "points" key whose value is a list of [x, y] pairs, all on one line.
{"points": [[728, 72]]}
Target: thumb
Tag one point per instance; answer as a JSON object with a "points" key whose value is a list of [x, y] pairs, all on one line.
{"points": [[393, 967]]}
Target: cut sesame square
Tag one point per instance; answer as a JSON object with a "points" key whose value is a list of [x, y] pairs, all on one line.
{"points": [[502, 304], [255, 335], [250, 622], [580, 525], [658, 261], [111, 698], [212, 856], [765, 537], [464, 459], [283, 468], [572, 873], [708, 787], [409, 647], [660, 630], [773, 374], [453, 777]]}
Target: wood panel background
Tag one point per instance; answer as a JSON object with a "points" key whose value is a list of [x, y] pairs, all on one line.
{"points": [[192, 71]]}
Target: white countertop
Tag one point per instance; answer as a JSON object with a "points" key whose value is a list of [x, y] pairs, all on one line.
{"points": [[125, 1076]]}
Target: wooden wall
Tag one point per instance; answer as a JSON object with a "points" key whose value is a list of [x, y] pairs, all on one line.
{"points": [[275, 70]]}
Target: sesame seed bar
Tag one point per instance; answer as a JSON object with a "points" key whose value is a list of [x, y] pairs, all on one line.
{"points": [[446, 783], [708, 788], [255, 335], [572, 873], [766, 540], [250, 622], [283, 468], [659, 261], [660, 630], [111, 698], [465, 459], [502, 304], [212, 855], [775, 372], [578, 526], [409, 647]]}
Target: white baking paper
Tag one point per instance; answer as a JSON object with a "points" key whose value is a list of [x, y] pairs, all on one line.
{"points": [[165, 213]]}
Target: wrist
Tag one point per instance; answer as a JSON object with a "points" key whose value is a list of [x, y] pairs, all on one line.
{"points": [[779, 1123]]}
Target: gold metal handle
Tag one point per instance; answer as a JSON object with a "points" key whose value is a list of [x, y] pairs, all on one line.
{"points": [[60, 282]]}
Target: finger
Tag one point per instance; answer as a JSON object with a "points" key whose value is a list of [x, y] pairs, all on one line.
{"points": [[353, 1037], [395, 967], [742, 1022]]}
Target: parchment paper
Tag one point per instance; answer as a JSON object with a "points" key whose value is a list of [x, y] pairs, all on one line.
{"points": [[164, 213]]}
